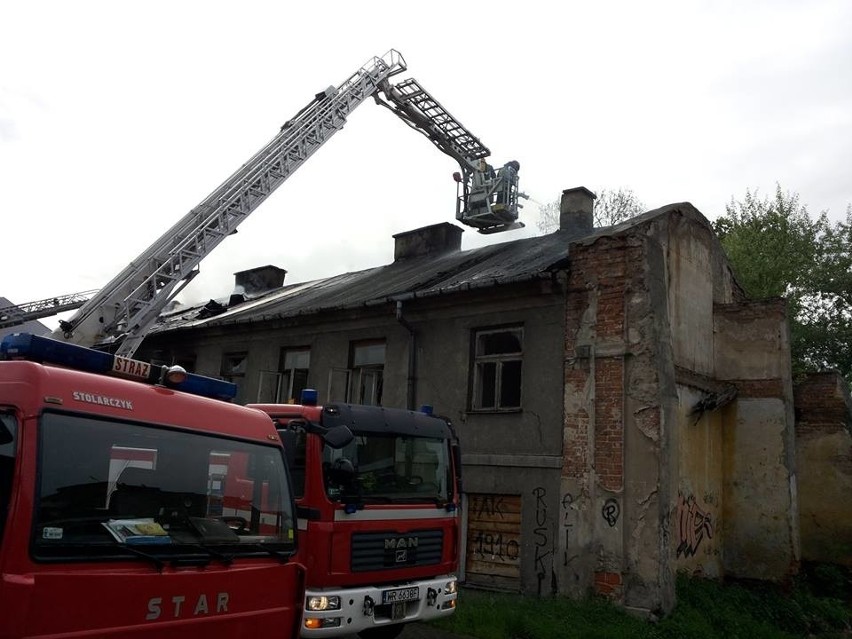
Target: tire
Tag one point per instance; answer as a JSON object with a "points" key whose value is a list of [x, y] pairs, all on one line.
{"points": [[382, 632]]}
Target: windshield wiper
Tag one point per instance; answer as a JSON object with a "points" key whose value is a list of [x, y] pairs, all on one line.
{"points": [[158, 563], [185, 519], [282, 556]]}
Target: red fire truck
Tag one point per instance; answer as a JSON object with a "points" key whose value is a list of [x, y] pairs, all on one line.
{"points": [[377, 491], [146, 508]]}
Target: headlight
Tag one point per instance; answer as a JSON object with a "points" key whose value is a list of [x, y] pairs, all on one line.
{"points": [[451, 588], [323, 603]]}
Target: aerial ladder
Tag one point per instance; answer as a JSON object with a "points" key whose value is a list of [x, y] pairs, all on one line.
{"points": [[117, 317], [21, 313]]}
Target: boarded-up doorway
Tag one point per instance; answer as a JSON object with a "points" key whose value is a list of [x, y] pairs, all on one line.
{"points": [[493, 553]]}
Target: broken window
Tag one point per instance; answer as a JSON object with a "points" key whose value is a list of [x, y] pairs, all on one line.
{"points": [[285, 385], [367, 377], [234, 370], [497, 369]]}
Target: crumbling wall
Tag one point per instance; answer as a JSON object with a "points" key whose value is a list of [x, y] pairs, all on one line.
{"points": [[824, 463], [752, 352], [618, 367]]}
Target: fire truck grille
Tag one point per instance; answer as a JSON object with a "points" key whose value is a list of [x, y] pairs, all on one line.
{"points": [[389, 550]]}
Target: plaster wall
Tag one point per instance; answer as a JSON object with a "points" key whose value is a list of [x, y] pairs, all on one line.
{"points": [[760, 504], [690, 299], [697, 524], [758, 491], [825, 486], [824, 462]]}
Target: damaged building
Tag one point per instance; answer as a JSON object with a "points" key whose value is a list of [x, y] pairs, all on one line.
{"points": [[624, 411]]}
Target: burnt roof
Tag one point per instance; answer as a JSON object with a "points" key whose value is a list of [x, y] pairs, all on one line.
{"points": [[507, 262]]}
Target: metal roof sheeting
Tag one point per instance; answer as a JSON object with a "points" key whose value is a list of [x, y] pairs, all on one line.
{"points": [[427, 276]]}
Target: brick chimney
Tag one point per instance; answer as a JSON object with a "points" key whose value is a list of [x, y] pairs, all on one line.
{"points": [[258, 280], [576, 211], [428, 240]]}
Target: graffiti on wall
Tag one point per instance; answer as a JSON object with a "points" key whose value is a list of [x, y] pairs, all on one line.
{"points": [[493, 537], [694, 524], [569, 516], [543, 548], [611, 511]]}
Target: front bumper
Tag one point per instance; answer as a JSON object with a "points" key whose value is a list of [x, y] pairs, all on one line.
{"points": [[362, 608]]}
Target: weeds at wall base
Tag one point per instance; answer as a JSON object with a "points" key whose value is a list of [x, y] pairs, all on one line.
{"points": [[817, 604]]}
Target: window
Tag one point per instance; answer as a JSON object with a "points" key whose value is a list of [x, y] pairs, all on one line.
{"points": [[294, 374], [497, 369], [285, 386], [234, 370], [366, 381]]}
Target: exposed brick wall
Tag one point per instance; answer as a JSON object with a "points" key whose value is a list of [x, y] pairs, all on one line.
{"points": [[608, 584], [759, 388], [609, 425], [753, 309], [595, 313], [822, 403]]}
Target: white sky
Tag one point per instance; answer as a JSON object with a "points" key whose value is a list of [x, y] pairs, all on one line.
{"points": [[117, 118]]}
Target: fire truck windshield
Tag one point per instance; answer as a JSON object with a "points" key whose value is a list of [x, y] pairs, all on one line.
{"points": [[112, 489], [388, 469]]}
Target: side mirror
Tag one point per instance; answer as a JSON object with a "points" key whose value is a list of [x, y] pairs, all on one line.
{"points": [[338, 437]]}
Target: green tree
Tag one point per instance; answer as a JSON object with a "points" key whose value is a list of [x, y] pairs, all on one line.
{"points": [[611, 207], [777, 249]]}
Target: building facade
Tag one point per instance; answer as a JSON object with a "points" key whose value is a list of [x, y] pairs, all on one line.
{"points": [[624, 411]]}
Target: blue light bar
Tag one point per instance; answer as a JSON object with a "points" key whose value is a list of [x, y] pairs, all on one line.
{"points": [[42, 349], [309, 397], [207, 387], [50, 351]]}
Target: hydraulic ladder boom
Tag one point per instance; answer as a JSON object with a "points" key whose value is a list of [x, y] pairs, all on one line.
{"points": [[119, 316], [20, 313]]}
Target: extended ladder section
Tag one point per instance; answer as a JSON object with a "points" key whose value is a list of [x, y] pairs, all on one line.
{"points": [[20, 313], [119, 316], [130, 303], [486, 199]]}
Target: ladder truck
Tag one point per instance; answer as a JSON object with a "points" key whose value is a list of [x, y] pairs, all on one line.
{"points": [[118, 317]]}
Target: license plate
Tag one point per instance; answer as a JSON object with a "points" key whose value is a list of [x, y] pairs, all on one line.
{"points": [[401, 594]]}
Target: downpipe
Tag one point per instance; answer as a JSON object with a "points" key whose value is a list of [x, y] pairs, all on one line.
{"points": [[412, 352]]}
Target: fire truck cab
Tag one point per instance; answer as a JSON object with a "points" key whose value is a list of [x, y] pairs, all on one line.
{"points": [[377, 492], [146, 508]]}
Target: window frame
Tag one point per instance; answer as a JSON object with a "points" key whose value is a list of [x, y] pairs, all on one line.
{"points": [[237, 378], [359, 374], [498, 359], [283, 377]]}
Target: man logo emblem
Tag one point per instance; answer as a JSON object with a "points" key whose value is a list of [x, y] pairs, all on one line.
{"points": [[401, 556]]}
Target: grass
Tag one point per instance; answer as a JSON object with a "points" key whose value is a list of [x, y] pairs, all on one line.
{"points": [[818, 604]]}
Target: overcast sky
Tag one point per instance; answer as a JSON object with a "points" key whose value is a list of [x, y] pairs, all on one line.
{"points": [[117, 118]]}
